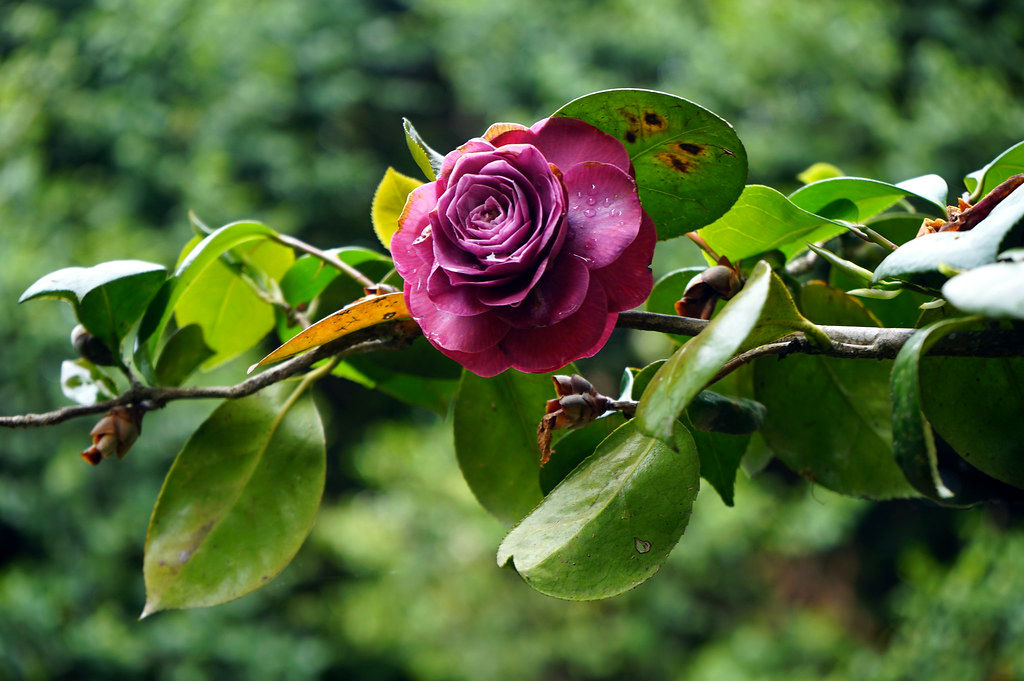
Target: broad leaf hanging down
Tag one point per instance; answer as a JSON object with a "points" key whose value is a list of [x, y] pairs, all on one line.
{"points": [[922, 260], [495, 421], [690, 165], [108, 298], [238, 501], [762, 312], [913, 444], [610, 524], [828, 419], [763, 220]]}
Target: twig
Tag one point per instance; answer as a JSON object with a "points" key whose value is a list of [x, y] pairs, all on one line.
{"points": [[328, 258], [381, 337]]}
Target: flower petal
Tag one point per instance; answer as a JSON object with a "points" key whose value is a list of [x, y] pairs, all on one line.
{"points": [[407, 253], [459, 300], [487, 363], [547, 348], [628, 280], [604, 213], [557, 295], [450, 331], [568, 141]]}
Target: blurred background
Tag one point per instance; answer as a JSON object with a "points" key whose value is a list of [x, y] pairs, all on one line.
{"points": [[119, 116]]}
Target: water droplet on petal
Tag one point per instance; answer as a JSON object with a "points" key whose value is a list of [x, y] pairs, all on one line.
{"points": [[590, 212], [593, 189], [591, 200]]}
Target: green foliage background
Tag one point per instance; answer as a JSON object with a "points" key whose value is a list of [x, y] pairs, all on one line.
{"points": [[118, 116]]}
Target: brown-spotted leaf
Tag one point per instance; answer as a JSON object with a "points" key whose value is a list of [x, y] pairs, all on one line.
{"points": [[358, 315]]}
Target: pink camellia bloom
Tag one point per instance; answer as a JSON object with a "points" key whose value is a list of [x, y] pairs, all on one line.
{"points": [[526, 247]]}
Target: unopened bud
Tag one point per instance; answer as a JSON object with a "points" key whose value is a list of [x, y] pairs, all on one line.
{"points": [[577, 405], [114, 434], [704, 290], [91, 348]]}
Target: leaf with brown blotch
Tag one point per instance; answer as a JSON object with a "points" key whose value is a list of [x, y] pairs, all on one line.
{"points": [[355, 316]]}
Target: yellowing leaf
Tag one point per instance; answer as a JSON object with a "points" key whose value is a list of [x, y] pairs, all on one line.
{"points": [[355, 316], [388, 202]]}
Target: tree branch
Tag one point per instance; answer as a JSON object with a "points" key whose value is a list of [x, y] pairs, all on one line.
{"points": [[381, 337], [853, 342]]}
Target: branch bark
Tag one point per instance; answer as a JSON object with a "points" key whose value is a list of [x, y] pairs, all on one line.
{"points": [[853, 342]]}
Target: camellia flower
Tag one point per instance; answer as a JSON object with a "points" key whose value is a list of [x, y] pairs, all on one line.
{"points": [[526, 247]]}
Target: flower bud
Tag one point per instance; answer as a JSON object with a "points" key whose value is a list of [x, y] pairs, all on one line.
{"points": [[91, 348], [577, 405], [114, 434], [704, 290]]}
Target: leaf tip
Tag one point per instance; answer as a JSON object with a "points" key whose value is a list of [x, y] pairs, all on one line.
{"points": [[149, 609]]}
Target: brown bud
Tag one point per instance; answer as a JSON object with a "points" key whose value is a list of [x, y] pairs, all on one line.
{"points": [[577, 405], [704, 290], [114, 434]]}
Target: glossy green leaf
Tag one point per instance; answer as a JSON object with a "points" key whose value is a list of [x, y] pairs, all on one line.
{"points": [[572, 447], [720, 455], [763, 220], [713, 412], [976, 405], [232, 316], [108, 298], [83, 382], [183, 354], [690, 165], [829, 419], [495, 421], [610, 524], [1001, 168], [389, 202], [922, 260], [995, 290], [913, 444], [667, 290], [205, 253], [868, 197], [428, 160], [309, 276], [238, 501], [762, 312]]}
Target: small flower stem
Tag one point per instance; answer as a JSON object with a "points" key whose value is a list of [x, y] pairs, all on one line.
{"points": [[703, 245]]}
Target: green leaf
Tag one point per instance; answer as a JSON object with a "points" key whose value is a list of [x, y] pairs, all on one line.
{"points": [[851, 269], [819, 171], [238, 501], [108, 298], [712, 412], [720, 456], [389, 202], [83, 382], [183, 353], [495, 422], [762, 220], [868, 197], [610, 524], [922, 260], [418, 375], [976, 405], [203, 255], [232, 315], [828, 419], [667, 290], [573, 447], [995, 290], [426, 158], [309, 276], [762, 312], [1001, 168], [913, 444], [690, 165]]}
